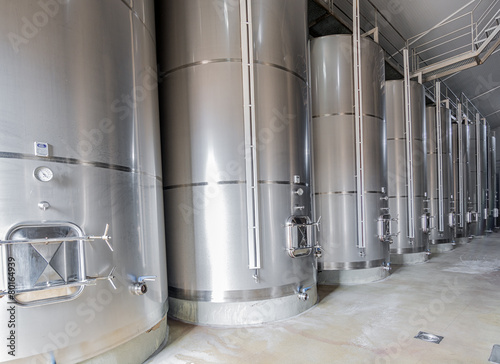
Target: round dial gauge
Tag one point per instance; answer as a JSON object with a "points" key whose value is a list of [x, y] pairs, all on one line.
{"points": [[43, 174]]}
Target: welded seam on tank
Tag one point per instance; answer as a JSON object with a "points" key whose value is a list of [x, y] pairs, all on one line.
{"points": [[345, 192], [136, 14], [201, 63], [203, 184], [351, 265], [283, 183], [405, 196], [237, 60], [419, 139], [281, 68], [234, 296], [440, 241], [415, 250], [347, 114], [73, 161]]}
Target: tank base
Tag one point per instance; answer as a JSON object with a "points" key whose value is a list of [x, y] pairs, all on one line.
{"points": [[462, 240], [442, 248], [409, 258], [240, 313], [357, 276], [478, 237], [137, 350]]}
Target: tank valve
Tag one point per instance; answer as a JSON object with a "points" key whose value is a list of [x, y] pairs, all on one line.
{"points": [[387, 266], [299, 192], [256, 277], [44, 205], [303, 295], [318, 251], [299, 208], [428, 252], [140, 288]]}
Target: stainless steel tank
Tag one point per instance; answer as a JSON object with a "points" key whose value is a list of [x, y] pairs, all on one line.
{"points": [[336, 191], [461, 172], [407, 191], [237, 172], [439, 179], [460, 137], [483, 158], [493, 180], [491, 195], [81, 192], [478, 177], [473, 210]]}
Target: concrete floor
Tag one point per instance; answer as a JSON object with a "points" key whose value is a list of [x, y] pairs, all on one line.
{"points": [[455, 295]]}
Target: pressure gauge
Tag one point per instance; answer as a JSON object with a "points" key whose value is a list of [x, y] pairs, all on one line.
{"points": [[43, 174]]}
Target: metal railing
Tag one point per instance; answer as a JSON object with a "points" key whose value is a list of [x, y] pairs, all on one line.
{"points": [[464, 29], [457, 40]]}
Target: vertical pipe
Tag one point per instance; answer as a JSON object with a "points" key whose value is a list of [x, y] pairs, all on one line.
{"points": [[311, 142], [409, 148], [494, 179], [250, 135], [439, 139], [484, 172], [478, 168], [358, 106], [461, 169]]}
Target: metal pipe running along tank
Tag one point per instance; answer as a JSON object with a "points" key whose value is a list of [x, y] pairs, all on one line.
{"points": [[334, 143], [439, 154], [460, 142], [82, 248], [411, 245], [236, 139]]}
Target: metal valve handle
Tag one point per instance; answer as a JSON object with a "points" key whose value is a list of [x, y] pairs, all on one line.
{"points": [[140, 288]]}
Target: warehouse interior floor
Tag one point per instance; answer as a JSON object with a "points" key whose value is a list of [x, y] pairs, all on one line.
{"points": [[455, 295]]}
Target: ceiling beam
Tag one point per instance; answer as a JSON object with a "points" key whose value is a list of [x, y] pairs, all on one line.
{"points": [[319, 20], [348, 26]]}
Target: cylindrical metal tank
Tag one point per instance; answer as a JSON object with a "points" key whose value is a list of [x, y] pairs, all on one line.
{"points": [[472, 208], [439, 179], [494, 187], [237, 168], [82, 247], [491, 180], [460, 139], [478, 177], [411, 245], [483, 160], [336, 190]]}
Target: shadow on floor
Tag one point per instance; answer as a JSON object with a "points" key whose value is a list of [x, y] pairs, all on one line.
{"points": [[325, 291], [178, 330]]}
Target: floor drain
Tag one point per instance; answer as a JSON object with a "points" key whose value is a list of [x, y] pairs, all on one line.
{"points": [[429, 337], [495, 355]]}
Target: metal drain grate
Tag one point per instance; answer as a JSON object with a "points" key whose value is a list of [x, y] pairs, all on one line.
{"points": [[495, 354], [429, 337]]}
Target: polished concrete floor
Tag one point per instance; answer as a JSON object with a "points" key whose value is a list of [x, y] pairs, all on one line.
{"points": [[455, 295]]}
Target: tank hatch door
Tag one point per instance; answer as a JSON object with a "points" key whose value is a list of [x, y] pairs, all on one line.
{"points": [[301, 236], [45, 263]]}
